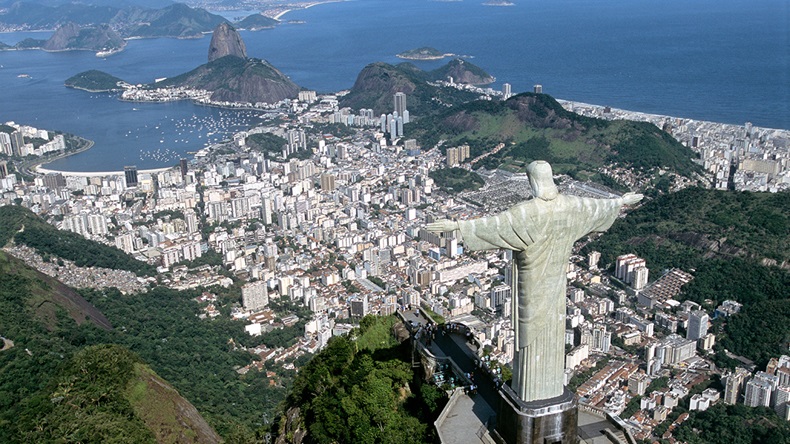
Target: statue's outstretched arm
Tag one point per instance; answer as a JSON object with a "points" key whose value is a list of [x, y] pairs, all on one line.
{"points": [[631, 198], [440, 226]]}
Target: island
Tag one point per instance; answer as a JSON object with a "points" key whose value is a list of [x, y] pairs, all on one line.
{"points": [[424, 53], [498, 3], [94, 81]]}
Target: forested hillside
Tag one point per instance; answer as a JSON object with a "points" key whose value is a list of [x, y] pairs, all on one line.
{"points": [[24, 227], [737, 246]]}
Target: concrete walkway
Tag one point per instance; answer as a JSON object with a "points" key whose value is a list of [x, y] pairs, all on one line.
{"points": [[464, 420]]}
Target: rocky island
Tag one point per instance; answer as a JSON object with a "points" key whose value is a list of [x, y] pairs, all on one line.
{"points": [[424, 53]]}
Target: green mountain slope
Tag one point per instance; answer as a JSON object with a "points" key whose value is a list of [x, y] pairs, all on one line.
{"points": [[24, 227], [46, 298], [535, 126], [104, 393], [57, 386], [378, 82], [462, 72]]}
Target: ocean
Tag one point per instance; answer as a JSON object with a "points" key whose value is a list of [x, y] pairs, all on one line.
{"points": [[725, 61]]}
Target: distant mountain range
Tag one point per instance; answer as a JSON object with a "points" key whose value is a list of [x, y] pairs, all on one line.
{"points": [[129, 21], [176, 20], [71, 36]]}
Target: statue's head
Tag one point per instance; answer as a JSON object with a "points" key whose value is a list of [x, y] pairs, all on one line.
{"points": [[541, 180]]}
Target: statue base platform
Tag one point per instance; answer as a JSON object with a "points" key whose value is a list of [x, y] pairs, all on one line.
{"points": [[547, 421]]}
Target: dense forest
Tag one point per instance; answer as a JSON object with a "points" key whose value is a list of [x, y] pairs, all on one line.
{"points": [[732, 242], [364, 390], [53, 388], [734, 424]]}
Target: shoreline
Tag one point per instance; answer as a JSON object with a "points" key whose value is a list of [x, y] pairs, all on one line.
{"points": [[35, 166], [41, 170], [280, 14]]}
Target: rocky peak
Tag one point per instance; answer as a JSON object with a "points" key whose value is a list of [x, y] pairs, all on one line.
{"points": [[226, 41], [62, 36]]}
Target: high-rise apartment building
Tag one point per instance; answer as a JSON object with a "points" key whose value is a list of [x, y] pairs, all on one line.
{"points": [[130, 173], [254, 295], [506, 91], [400, 104], [698, 325]]}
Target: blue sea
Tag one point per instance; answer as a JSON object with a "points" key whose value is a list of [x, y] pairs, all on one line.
{"points": [[722, 60]]}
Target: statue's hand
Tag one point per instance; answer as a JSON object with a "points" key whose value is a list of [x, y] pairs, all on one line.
{"points": [[440, 226], [632, 198]]}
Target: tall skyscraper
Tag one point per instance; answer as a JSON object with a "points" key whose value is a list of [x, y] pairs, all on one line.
{"points": [[130, 173], [506, 91], [5, 144], [400, 103], [17, 142], [184, 167]]}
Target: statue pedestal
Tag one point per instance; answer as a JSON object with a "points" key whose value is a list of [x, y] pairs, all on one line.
{"points": [[548, 421]]}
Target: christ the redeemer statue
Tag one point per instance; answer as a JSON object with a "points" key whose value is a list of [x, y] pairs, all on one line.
{"points": [[541, 232]]}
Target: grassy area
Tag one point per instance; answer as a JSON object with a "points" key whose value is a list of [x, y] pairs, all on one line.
{"points": [[377, 333], [436, 318]]}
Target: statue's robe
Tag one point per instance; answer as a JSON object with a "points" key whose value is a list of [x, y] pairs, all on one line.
{"points": [[541, 233]]}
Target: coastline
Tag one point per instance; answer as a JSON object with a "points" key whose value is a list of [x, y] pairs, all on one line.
{"points": [[279, 15], [34, 167], [98, 173]]}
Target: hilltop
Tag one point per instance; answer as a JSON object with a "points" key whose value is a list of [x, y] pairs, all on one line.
{"points": [[226, 41], [463, 72], [361, 388], [378, 82], [535, 126], [231, 76]]}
